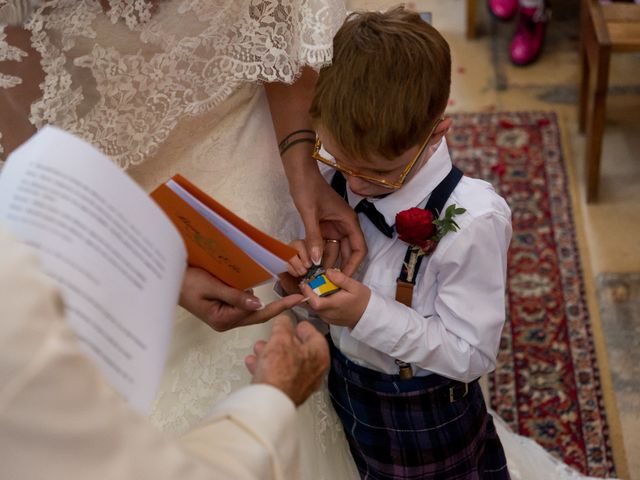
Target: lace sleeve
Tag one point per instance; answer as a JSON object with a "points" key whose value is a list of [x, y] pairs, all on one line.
{"points": [[122, 80], [9, 52], [15, 12]]}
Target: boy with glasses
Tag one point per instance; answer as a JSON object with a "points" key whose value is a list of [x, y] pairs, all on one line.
{"points": [[422, 321]]}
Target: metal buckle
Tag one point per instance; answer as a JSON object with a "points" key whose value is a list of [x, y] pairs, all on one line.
{"points": [[451, 393]]}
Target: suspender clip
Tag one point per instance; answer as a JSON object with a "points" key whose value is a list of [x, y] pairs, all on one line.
{"points": [[452, 396]]}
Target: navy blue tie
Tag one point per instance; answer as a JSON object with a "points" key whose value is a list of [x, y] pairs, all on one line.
{"points": [[372, 213]]}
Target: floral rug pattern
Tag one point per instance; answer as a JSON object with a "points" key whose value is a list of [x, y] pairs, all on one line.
{"points": [[546, 384]]}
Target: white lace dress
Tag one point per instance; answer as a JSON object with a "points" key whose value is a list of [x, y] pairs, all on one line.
{"points": [[178, 91]]}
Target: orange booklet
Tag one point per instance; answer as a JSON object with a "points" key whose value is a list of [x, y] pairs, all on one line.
{"points": [[219, 241]]}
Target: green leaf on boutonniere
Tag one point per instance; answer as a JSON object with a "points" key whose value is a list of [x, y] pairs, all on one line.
{"points": [[448, 224]]}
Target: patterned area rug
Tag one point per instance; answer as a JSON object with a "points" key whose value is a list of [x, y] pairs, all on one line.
{"points": [[546, 385]]}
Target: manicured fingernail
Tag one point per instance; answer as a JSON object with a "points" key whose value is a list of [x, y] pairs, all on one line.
{"points": [[305, 299], [316, 256], [253, 304]]}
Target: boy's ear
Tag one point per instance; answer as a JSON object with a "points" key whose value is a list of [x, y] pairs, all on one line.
{"points": [[441, 130]]}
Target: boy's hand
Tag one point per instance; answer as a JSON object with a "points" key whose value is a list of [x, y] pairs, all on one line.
{"points": [[301, 263], [296, 269], [344, 308]]}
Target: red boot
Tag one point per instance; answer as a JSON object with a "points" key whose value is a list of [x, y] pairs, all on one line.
{"points": [[503, 9], [527, 42]]}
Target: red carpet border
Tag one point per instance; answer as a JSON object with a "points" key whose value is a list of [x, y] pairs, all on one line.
{"points": [[546, 385]]}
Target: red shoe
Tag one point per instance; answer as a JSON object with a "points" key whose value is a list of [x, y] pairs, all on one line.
{"points": [[527, 42], [503, 9]]}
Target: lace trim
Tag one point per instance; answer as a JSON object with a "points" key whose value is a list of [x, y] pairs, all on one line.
{"points": [[14, 12], [133, 12], [8, 52], [123, 80]]}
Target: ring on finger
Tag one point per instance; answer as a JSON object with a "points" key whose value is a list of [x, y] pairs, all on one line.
{"points": [[331, 240]]}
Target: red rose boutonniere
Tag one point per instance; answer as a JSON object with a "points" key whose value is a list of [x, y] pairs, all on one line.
{"points": [[422, 231]]}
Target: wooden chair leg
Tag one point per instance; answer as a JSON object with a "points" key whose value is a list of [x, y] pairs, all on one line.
{"points": [[586, 35], [471, 19], [596, 121], [584, 92]]}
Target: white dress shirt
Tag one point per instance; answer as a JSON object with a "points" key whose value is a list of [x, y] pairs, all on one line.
{"points": [[59, 419], [458, 308]]}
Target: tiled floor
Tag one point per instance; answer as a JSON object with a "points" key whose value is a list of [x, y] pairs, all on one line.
{"points": [[484, 79]]}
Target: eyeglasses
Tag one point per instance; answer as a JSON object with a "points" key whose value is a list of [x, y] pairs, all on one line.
{"points": [[383, 182]]}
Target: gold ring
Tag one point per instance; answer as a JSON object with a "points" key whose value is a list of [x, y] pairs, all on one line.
{"points": [[331, 240]]}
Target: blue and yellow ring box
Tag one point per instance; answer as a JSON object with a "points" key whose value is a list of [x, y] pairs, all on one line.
{"points": [[321, 285]]}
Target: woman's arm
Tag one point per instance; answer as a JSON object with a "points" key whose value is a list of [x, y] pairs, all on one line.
{"points": [[324, 214]]}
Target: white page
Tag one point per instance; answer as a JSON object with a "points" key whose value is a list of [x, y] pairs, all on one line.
{"points": [[116, 257], [270, 262]]}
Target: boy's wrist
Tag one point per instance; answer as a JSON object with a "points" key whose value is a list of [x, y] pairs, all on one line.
{"points": [[361, 308], [355, 314], [371, 312]]}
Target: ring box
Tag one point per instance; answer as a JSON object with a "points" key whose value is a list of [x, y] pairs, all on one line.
{"points": [[319, 283]]}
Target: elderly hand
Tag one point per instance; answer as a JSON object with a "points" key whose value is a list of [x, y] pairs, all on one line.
{"points": [[223, 307], [293, 361]]}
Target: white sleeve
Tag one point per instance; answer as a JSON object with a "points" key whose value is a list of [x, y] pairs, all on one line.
{"points": [[59, 419], [252, 433], [461, 339]]}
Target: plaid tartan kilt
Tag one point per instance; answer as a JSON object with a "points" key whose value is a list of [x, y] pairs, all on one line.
{"points": [[409, 429]]}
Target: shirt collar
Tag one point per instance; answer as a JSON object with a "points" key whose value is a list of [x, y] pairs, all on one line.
{"points": [[415, 191]]}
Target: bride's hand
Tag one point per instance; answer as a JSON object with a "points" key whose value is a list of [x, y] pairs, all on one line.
{"points": [[326, 215], [223, 307]]}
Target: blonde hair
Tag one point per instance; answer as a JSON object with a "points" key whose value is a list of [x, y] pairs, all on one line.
{"points": [[388, 83]]}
